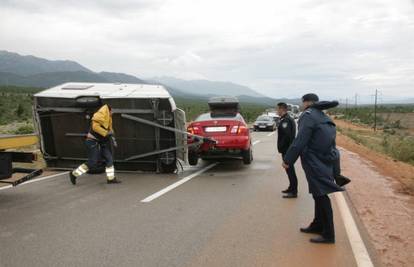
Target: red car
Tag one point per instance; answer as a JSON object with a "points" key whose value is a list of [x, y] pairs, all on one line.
{"points": [[226, 127]]}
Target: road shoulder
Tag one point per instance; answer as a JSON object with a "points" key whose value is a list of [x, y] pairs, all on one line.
{"points": [[385, 210]]}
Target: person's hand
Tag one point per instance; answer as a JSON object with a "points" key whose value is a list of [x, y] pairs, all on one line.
{"points": [[114, 142], [284, 165]]}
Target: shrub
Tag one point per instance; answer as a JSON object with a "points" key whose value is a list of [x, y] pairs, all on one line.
{"points": [[401, 148], [24, 129]]}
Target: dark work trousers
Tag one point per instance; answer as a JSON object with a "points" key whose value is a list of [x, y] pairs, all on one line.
{"points": [[323, 216], [98, 151], [293, 179]]}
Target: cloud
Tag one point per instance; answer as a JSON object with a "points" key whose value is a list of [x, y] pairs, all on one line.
{"points": [[279, 48]]}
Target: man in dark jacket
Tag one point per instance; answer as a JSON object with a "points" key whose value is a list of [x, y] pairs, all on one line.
{"points": [[315, 144], [286, 132], [339, 178]]}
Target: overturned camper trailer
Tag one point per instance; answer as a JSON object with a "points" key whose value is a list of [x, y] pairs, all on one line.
{"points": [[144, 119]]}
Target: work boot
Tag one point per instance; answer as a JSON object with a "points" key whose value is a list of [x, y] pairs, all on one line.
{"points": [[113, 181], [322, 240], [72, 178], [312, 229], [291, 195], [342, 180], [286, 190]]}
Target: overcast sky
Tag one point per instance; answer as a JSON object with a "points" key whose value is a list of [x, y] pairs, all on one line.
{"points": [[280, 48]]}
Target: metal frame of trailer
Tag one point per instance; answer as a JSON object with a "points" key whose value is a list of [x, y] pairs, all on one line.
{"points": [[62, 117]]}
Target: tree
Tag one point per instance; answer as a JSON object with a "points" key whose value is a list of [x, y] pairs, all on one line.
{"points": [[20, 110]]}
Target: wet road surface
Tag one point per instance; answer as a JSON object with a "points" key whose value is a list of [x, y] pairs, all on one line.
{"points": [[229, 215]]}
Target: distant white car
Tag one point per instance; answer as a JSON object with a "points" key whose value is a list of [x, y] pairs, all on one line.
{"points": [[275, 117]]}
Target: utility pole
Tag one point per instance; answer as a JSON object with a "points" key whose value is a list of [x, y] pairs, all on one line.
{"points": [[346, 106], [375, 110]]}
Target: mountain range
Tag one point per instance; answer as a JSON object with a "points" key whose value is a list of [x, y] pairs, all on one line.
{"points": [[19, 70]]}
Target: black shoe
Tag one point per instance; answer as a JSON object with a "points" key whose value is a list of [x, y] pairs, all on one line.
{"points": [[113, 181], [322, 240], [290, 195], [72, 178], [342, 180], [311, 230], [286, 190]]}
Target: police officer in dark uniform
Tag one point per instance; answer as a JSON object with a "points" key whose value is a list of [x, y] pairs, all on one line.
{"points": [[286, 132], [315, 144], [339, 178]]}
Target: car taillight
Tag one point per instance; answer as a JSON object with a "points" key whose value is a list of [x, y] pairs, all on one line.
{"points": [[194, 130], [240, 129], [234, 129]]}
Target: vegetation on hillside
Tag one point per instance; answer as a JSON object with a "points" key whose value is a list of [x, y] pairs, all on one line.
{"points": [[366, 114], [16, 104]]}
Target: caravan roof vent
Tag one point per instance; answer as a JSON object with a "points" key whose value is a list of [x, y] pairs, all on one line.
{"points": [[77, 87]]}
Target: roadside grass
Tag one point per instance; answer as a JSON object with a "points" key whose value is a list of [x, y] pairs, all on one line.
{"points": [[395, 134], [17, 127], [398, 145]]}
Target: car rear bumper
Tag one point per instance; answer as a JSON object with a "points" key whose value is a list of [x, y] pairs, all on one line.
{"points": [[231, 145], [258, 128], [229, 142], [221, 153]]}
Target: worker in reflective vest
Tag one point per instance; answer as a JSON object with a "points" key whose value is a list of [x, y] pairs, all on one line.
{"points": [[98, 143]]}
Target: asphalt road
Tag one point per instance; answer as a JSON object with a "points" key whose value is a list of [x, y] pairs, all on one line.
{"points": [[230, 215]]}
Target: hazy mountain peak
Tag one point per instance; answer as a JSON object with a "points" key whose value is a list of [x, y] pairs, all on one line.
{"points": [[206, 87], [29, 65]]}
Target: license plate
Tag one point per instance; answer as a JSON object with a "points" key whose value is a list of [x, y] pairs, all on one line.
{"points": [[262, 126], [216, 129]]}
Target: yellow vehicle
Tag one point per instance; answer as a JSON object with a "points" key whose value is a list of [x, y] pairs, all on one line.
{"points": [[16, 176]]}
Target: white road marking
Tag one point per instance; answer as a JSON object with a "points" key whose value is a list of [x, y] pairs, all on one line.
{"points": [[357, 244], [176, 184], [272, 133], [256, 142], [36, 180], [5, 187]]}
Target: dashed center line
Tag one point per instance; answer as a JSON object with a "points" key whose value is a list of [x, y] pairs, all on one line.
{"points": [[256, 142], [178, 183]]}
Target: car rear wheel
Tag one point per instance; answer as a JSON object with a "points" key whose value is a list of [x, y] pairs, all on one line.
{"points": [[247, 156], [192, 158]]}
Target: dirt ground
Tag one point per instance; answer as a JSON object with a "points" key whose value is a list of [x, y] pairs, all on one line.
{"points": [[381, 192]]}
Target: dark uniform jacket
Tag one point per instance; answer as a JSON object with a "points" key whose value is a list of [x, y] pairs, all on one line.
{"points": [[286, 132], [315, 144]]}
